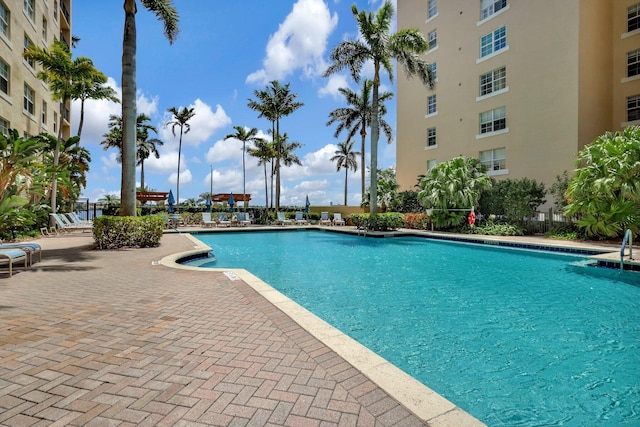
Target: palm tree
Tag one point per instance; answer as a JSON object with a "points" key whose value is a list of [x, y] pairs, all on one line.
{"points": [[245, 135], [19, 157], [61, 73], [92, 88], [264, 152], [379, 46], [345, 158], [274, 103], [180, 119], [167, 14], [358, 118]]}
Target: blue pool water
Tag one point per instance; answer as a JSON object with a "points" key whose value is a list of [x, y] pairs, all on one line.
{"points": [[516, 338]]}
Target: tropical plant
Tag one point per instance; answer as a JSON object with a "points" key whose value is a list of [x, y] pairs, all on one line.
{"points": [[513, 199], [167, 14], [264, 151], [92, 87], [387, 189], [19, 160], [345, 158], [287, 156], [109, 200], [376, 44], [604, 194], [244, 135], [274, 103], [357, 118], [453, 186], [180, 119], [558, 191]]}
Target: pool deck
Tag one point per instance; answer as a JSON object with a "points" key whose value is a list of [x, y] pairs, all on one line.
{"points": [[126, 337]]}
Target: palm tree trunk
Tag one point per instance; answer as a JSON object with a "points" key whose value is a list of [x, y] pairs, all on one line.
{"points": [[375, 134], [56, 161], [129, 114], [142, 174], [346, 178], [363, 134], [178, 177], [278, 155], [244, 177], [81, 123], [266, 188]]}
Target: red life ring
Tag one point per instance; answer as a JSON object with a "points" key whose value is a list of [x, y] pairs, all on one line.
{"points": [[471, 218]]}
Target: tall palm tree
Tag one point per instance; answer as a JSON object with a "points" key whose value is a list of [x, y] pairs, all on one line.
{"points": [[180, 119], [379, 46], [94, 87], [276, 102], [357, 117], [245, 135], [264, 152], [61, 73], [145, 148], [167, 14], [345, 158]]}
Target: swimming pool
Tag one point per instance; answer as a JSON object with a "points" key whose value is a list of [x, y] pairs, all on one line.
{"points": [[513, 337]]}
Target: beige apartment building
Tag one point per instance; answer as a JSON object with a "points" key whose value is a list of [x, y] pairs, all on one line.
{"points": [[522, 85], [25, 102]]}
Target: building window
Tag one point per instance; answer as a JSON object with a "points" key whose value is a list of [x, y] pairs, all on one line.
{"points": [[431, 164], [55, 10], [633, 63], [44, 113], [29, 100], [493, 81], [4, 127], [4, 20], [493, 42], [432, 39], [431, 137], [27, 43], [433, 67], [4, 77], [489, 7], [633, 108], [494, 120], [494, 160], [30, 9], [431, 104], [432, 8], [633, 17], [45, 28]]}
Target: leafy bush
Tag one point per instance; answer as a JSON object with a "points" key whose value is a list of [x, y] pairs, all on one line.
{"points": [[565, 232], [378, 222], [491, 229], [113, 232], [417, 221], [515, 199]]}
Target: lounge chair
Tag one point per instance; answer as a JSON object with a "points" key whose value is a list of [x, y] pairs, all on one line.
{"points": [[282, 220], [65, 225], [75, 219], [242, 218], [337, 219], [222, 220], [324, 218], [11, 256], [206, 219], [29, 248], [300, 219]]}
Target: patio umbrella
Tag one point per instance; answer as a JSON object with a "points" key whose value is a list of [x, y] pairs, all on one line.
{"points": [[307, 205], [171, 201], [207, 203], [231, 202]]}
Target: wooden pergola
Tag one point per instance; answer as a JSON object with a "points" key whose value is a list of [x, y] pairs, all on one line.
{"points": [[224, 198], [151, 196]]}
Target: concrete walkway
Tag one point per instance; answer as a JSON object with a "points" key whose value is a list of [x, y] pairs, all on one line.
{"points": [[112, 338]]}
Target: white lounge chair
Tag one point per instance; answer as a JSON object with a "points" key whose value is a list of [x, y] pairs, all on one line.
{"points": [[242, 218], [74, 218], [337, 219], [324, 218], [300, 219], [65, 225], [11, 256], [206, 219], [222, 220], [282, 220]]}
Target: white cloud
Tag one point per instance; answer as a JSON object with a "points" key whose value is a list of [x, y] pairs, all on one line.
{"points": [[334, 83], [299, 43], [185, 178], [203, 125]]}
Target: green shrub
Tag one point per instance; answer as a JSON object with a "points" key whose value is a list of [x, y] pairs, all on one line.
{"points": [[378, 222], [113, 232], [417, 221], [491, 229]]}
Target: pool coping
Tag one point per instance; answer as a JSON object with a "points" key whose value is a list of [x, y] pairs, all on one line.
{"points": [[419, 399]]}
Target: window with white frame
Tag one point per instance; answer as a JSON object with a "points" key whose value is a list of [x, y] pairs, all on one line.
{"points": [[433, 67], [633, 17], [431, 164], [432, 8], [633, 108], [633, 63], [55, 10], [494, 120], [431, 104], [4, 77], [30, 9], [432, 39], [493, 42], [4, 20], [44, 112], [489, 7], [4, 126], [431, 137], [29, 100], [493, 81], [27, 43], [494, 160]]}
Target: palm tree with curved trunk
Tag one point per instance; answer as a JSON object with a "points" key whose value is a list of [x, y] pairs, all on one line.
{"points": [[245, 135], [180, 119], [345, 158], [94, 87], [357, 117], [167, 14], [275, 102], [265, 153], [381, 47]]}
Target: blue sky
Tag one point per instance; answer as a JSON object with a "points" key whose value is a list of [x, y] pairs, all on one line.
{"points": [[225, 51]]}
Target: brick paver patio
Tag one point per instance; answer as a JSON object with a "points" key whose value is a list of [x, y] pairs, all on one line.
{"points": [[110, 338]]}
